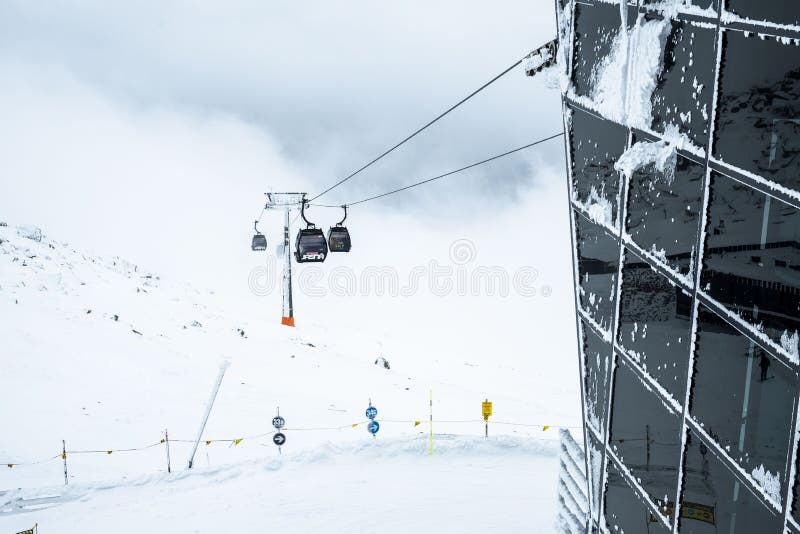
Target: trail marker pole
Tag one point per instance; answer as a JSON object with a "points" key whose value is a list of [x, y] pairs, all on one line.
{"points": [[222, 369], [430, 440], [64, 456], [486, 411]]}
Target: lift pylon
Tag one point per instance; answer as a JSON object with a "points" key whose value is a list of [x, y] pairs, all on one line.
{"points": [[287, 202]]}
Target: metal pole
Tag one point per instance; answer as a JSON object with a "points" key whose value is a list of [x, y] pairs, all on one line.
{"points": [[64, 456], [222, 369], [487, 428], [278, 409], [288, 311], [166, 441]]}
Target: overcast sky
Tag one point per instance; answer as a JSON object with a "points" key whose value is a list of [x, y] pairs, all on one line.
{"points": [[327, 84]]}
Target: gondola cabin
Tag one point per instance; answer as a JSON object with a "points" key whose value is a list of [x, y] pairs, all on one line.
{"points": [[310, 246], [338, 239], [259, 242]]}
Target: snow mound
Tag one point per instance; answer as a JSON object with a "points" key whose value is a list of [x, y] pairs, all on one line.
{"points": [[662, 155], [771, 482], [635, 52]]}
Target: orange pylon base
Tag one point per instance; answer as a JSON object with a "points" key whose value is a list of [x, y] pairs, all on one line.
{"points": [[288, 321]]}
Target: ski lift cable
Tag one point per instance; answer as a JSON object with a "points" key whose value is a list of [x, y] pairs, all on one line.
{"points": [[428, 180], [258, 220], [420, 130]]}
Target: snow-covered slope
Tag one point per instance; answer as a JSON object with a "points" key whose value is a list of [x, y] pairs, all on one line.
{"points": [[105, 355]]}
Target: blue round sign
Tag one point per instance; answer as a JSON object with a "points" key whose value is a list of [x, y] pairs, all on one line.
{"points": [[373, 427], [372, 412]]}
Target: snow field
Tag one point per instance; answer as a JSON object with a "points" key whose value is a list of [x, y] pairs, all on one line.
{"points": [[106, 356]]}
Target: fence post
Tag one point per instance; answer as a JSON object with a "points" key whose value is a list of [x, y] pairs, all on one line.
{"points": [[64, 456], [166, 442]]}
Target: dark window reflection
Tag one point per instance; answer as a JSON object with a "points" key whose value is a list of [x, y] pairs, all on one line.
{"points": [[780, 11], [624, 509], [752, 258], [596, 26], [796, 491], [683, 96], [704, 4], [595, 473], [758, 127], [743, 398], [598, 257], [664, 213], [654, 325], [714, 500], [597, 363], [645, 436], [595, 146]]}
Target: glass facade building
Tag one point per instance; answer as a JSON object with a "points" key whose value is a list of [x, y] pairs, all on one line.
{"points": [[687, 273]]}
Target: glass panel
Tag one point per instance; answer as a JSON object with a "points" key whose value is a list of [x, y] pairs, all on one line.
{"points": [[595, 473], [625, 511], [744, 399], [686, 83], [796, 488], [645, 435], [596, 26], [597, 364], [664, 215], [715, 501], [780, 11], [598, 258], [654, 325], [595, 145], [752, 259], [758, 127], [703, 4]]}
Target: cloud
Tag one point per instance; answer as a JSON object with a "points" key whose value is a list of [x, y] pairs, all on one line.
{"points": [[335, 83], [154, 184]]}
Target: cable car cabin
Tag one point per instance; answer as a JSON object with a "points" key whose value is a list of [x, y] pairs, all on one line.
{"points": [[339, 239], [259, 242], [310, 246]]}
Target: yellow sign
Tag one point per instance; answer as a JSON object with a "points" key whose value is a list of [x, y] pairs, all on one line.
{"points": [[699, 512], [486, 408], [689, 510]]}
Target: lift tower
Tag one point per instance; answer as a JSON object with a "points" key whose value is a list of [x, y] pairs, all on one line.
{"points": [[286, 201]]}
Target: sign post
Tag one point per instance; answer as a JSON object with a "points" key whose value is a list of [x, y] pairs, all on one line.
{"points": [[486, 410], [373, 426], [279, 438]]}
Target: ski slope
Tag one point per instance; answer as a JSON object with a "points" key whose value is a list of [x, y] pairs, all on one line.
{"points": [[105, 355], [469, 485]]}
